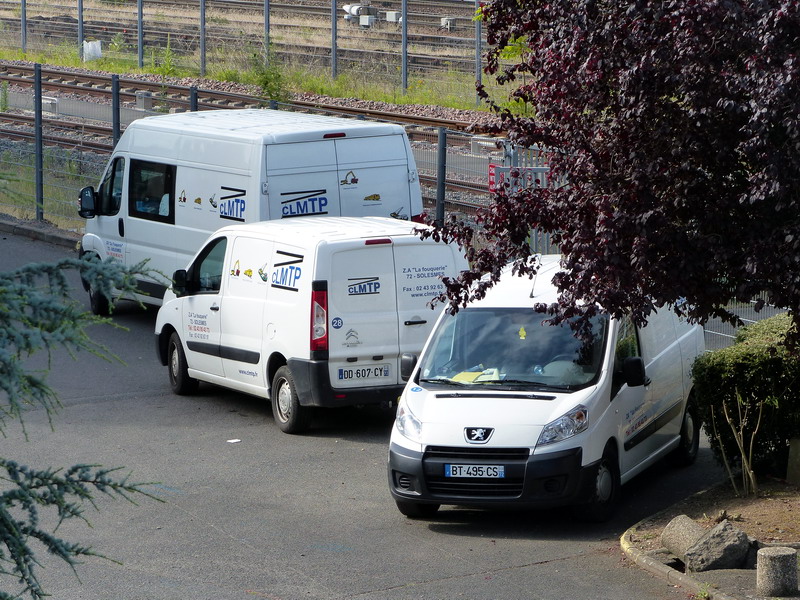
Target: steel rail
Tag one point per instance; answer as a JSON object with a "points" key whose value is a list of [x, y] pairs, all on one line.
{"points": [[131, 89]]}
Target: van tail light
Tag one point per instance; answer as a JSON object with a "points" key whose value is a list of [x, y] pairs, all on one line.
{"points": [[319, 316]]}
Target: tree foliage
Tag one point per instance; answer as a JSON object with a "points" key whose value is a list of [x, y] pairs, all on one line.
{"points": [[676, 127], [37, 313]]}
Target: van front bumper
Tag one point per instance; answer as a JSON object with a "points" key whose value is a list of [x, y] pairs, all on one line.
{"points": [[536, 481], [313, 385]]}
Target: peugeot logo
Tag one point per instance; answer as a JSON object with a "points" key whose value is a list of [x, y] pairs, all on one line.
{"points": [[478, 435]]}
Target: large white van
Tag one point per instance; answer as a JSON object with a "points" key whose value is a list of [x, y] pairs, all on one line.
{"points": [[310, 312], [503, 409], [173, 179]]}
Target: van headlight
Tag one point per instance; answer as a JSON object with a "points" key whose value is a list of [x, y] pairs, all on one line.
{"points": [[566, 426], [407, 423]]}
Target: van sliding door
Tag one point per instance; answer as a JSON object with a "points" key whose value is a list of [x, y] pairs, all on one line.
{"points": [[302, 180]]}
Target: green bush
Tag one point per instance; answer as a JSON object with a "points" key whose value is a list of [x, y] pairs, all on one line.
{"points": [[755, 376]]}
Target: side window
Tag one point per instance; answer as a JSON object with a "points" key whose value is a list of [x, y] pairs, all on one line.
{"points": [[627, 346], [110, 191], [206, 272], [151, 191]]}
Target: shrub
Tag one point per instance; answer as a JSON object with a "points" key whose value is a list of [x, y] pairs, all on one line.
{"points": [[757, 382]]}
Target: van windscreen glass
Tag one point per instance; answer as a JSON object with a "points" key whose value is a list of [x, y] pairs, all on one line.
{"points": [[511, 348]]}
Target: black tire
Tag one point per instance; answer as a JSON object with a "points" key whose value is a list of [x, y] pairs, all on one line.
{"points": [[686, 452], [289, 415], [605, 488], [99, 303], [417, 510], [179, 378]]}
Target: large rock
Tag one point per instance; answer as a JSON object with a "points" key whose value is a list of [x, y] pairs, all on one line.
{"points": [[723, 547], [680, 534]]}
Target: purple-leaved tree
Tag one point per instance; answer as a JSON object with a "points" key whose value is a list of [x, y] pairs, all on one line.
{"points": [[676, 127]]}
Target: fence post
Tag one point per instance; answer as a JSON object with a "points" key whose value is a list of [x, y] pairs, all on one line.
{"points": [[80, 30], [478, 48], [23, 23], [202, 38], [404, 44], [115, 108], [441, 175], [333, 40], [266, 32], [39, 168], [140, 32]]}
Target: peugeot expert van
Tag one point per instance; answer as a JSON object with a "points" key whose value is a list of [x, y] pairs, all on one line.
{"points": [[309, 312], [173, 179], [503, 409]]}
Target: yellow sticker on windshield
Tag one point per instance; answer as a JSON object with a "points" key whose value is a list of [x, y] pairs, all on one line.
{"points": [[522, 333]]}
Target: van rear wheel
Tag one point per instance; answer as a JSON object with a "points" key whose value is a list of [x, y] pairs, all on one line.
{"points": [[179, 378], [686, 452], [289, 415], [416, 510]]}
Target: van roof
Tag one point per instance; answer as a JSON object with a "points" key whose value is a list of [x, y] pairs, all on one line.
{"points": [[513, 291], [325, 228], [268, 126]]}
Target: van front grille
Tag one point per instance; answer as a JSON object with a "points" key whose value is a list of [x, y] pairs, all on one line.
{"points": [[510, 486], [476, 453]]}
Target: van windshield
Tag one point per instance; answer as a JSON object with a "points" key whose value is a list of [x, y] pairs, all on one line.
{"points": [[511, 348]]}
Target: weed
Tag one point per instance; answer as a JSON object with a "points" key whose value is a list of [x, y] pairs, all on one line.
{"points": [[4, 97]]}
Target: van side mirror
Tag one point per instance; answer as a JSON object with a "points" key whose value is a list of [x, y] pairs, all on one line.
{"points": [[87, 201], [633, 372], [179, 282], [407, 364]]}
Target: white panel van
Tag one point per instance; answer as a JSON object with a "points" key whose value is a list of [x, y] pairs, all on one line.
{"points": [[503, 409], [309, 312], [174, 179]]}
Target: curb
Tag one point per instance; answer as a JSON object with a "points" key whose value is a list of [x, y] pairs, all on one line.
{"points": [[40, 232], [669, 574]]}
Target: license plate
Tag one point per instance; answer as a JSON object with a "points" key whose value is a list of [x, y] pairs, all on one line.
{"points": [[362, 372], [490, 471]]}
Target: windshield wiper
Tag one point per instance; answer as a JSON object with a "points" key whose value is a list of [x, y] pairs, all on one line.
{"points": [[446, 380], [525, 382]]}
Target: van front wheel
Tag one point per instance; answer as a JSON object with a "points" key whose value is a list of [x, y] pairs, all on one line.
{"points": [[99, 303], [289, 415], [179, 378], [605, 488]]}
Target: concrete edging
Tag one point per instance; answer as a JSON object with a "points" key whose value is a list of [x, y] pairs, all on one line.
{"points": [[665, 572], [53, 236]]}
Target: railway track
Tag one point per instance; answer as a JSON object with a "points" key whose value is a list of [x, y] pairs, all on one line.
{"points": [[179, 96]]}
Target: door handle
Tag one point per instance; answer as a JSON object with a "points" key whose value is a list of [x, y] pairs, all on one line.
{"points": [[420, 322], [121, 227], [214, 307]]}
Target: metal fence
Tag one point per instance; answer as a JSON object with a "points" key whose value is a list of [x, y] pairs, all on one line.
{"points": [[454, 168]]}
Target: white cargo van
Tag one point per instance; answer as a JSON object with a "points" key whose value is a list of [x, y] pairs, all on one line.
{"points": [[310, 312], [173, 179], [503, 409]]}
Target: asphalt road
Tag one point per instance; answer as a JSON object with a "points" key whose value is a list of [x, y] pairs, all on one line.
{"points": [[289, 517]]}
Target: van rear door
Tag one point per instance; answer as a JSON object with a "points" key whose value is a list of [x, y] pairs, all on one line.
{"points": [[378, 298], [302, 179], [374, 176]]}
